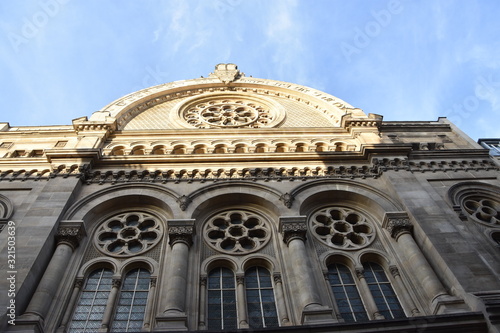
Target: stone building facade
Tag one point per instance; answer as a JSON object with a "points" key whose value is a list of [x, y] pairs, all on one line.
{"points": [[236, 203]]}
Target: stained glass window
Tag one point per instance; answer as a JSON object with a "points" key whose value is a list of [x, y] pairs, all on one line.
{"points": [[382, 292], [346, 293], [131, 306], [260, 298], [221, 299], [92, 303]]}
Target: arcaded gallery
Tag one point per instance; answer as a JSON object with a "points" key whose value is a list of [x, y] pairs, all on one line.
{"points": [[232, 203]]}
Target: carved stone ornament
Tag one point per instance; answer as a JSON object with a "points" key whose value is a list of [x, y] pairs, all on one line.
{"points": [[287, 199], [277, 278], [293, 227], [360, 273], [183, 202], [70, 233], [116, 283], [397, 223], [227, 73], [182, 234]]}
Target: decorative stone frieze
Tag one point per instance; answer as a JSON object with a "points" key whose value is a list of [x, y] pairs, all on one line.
{"points": [[397, 223], [293, 227]]}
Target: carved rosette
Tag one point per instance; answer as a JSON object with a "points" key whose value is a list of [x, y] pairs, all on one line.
{"points": [[293, 228], [182, 234], [70, 235]]}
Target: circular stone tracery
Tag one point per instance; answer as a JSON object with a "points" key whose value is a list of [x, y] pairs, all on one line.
{"points": [[128, 234], [482, 210], [342, 228], [228, 112], [236, 232]]}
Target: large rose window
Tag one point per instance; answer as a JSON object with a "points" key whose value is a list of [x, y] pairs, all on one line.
{"points": [[236, 232], [342, 228], [228, 113], [128, 234], [485, 211]]}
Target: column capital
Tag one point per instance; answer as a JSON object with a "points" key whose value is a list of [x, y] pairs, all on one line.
{"points": [[397, 223], [277, 278], [70, 233], [240, 279], [360, 272], [293, 227], [181, 231]]}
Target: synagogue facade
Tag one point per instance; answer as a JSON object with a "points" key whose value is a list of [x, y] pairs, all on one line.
{"points": [[233, 203]]}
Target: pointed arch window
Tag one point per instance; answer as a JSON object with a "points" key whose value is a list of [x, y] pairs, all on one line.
{"points": [[261, 305], [380, 287], [92, 303], [131, 307], [222, 314], [346, 293]]}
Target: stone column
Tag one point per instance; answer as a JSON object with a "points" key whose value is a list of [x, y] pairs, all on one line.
{"points": [[180, 233], [203, 306], [371, 306], [405, 296], [74, 296], [293, 229], [280, 300], [108, 312], [242, 304], [68, 237], [400, 228], [149, 306]]}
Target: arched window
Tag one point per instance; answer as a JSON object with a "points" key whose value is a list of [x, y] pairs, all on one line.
{"points": [[92, 303], [382, 292], [261, 306], [222, 313], [131, 306], [346, 293]]}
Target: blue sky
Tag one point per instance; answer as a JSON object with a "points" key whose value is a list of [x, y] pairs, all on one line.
{"points": [[405, 60]]}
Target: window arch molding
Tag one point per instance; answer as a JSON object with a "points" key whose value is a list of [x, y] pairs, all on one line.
{"points": [[97, 263], [92, 207], [139, 262], [6, 208], [225, 261], [218, 196], [260, 260], [311, 195], [480, 202]]}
